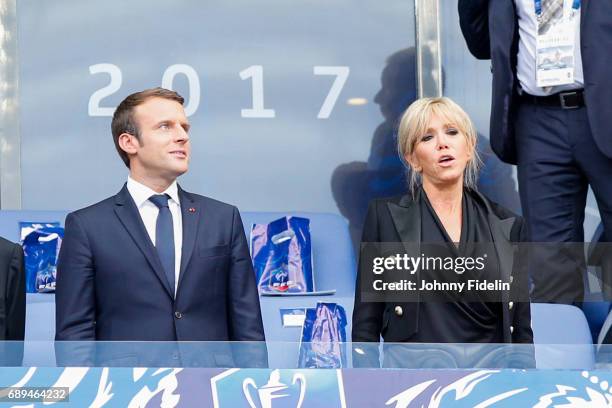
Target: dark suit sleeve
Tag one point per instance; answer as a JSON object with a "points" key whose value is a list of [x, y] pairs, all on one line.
{"points": [[16, 297], [245, 322], [474, 22], [521, 319], [75, 301], [367, 316]]}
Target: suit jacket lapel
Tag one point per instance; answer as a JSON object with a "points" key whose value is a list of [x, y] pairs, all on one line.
{"points": [[406, 217], [190, 210], [128, 214]]}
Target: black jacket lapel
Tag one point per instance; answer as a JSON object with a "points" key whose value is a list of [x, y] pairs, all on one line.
{"points": [[128, 214], [406, 217]]}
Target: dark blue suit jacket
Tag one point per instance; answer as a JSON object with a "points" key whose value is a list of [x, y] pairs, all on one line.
{"points": [[111, 285], [490, 28]]}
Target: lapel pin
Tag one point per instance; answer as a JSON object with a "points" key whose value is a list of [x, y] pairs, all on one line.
{"points": [[191, 210]]}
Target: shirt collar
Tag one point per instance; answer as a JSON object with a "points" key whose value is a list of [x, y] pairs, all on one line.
{"points": [[141, 193]]}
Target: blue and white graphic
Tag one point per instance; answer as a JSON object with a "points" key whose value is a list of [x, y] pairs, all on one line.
{"points": [[307, 388], [253, 388], [489, 388], [99, 387]]}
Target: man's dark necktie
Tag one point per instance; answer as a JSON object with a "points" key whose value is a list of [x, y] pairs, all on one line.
{"points": [[164, 235]]}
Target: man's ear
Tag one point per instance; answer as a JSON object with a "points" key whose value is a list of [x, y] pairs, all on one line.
{"points": [[128, 143]]}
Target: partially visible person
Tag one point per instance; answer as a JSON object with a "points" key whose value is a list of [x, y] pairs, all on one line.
{"points": [[12, 303], [551, 116], [12, 291], [437, 140]]}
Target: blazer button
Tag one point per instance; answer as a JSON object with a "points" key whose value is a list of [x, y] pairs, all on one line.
{"points": [[510, 304], [178, 315], [511, 329], [399, 311]]}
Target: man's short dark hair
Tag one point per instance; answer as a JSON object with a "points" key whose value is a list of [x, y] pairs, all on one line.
{"points": [[123, 118]]}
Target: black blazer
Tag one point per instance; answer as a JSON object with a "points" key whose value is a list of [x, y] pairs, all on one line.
{"points": [[399, 220], [12, 291], [490, 28], [111, 284]]}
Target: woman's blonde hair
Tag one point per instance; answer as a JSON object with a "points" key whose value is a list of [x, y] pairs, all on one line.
{"points": [[414, 124]]}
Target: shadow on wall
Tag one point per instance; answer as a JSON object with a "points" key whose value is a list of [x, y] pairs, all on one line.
{"points": [[356, 183], [495, 179]]}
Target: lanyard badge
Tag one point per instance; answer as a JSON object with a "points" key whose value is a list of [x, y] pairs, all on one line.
{"points": [[555, 41]]}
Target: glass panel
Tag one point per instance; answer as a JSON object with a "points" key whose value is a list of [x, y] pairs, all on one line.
{"points": [[305, 355]]}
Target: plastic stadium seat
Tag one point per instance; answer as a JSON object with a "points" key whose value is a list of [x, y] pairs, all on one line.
{"points": [[562, 337], [596, 305], [333, 266], [40, 308], [596, 313], [10, 219]]}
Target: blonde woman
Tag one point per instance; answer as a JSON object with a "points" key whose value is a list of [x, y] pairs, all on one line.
{"points": [[437, 141]]}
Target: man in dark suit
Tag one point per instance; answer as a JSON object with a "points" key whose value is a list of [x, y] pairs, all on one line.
{"points": [[559, 136], [12, 291], [154, 262]]}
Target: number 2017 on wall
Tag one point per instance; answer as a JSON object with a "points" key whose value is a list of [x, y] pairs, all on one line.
{"points": [[254, 73]]}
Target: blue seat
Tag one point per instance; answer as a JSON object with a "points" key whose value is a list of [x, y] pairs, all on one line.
{"points": [[10, 219], [596, 305], [333, 265], [562, 337], [40, 307], [596, 313]]}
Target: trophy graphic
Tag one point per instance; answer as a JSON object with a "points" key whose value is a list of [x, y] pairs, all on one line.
{"points": [[272, 390]]}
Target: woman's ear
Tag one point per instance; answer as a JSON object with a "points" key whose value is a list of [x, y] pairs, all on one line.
{"points": [[472, 145], [414, 162]]}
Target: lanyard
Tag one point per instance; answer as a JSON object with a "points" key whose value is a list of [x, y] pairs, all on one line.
{"points": [[538, 6]]}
